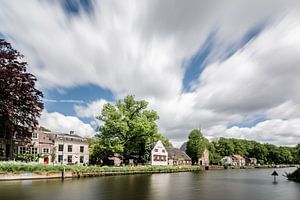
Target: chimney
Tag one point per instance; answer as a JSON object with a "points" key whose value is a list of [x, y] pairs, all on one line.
{"points": [[71, 132]]}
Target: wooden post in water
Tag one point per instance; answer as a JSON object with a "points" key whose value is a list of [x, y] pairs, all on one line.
{"points": [[274, 174], [63, 174]]}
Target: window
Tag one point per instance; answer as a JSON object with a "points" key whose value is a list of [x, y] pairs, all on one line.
{"points": [[163, 151], [69, 148], [60, 158], [81, 159], [60, 147], [46, 150], [81, 149], [22, 150], [34, 135], [69, 158], [156, 150], [33, 150]]}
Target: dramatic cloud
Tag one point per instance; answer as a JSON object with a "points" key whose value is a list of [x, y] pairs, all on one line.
{"points": [[251, 74], [91, 110], [58, 122], [274, 131]]}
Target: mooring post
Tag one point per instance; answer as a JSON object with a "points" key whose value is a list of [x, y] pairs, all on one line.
{"points": [[63, 174]]}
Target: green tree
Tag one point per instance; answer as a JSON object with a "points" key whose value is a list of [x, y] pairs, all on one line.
{"points": [[129, 128], [225, 147], [196, 145], [297, 154]]}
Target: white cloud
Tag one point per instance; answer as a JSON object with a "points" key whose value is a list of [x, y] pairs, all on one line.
{"points": [[91, 110], [140, 48], [275, 131], [58, 122]]}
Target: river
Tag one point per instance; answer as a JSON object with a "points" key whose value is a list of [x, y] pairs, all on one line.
{"points": [[244, 184]]}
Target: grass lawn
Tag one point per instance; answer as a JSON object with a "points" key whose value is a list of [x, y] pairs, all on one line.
{"points": [[16, 167]]}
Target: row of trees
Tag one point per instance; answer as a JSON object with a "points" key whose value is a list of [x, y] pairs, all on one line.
{"points": [[264, 153]]}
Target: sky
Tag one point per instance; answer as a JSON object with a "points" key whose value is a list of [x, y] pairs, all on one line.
{"points": [[231, 68]]}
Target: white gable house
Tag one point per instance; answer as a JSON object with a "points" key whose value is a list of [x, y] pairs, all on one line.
{"points": [[159, 154]]}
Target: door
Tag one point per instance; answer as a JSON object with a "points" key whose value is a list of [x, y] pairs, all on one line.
{"points": [[46, 161]]}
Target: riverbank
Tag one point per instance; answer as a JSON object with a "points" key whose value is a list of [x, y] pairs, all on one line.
{"points": [[294, 176], [23, 171]]}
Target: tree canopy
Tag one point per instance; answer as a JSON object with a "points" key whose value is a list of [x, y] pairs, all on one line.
{"points": [[129, 128], [20, 101], [196, 145], [264, 153]]}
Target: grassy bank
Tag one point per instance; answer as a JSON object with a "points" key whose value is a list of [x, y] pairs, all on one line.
{"points": [[295, 176], [13, 167]]}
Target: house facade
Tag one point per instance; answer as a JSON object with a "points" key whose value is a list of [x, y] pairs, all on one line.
{"points": [[178, 157], [204, 160], [238, 160], [251, 161], [227, 160], [48, 148], [159, 155]]}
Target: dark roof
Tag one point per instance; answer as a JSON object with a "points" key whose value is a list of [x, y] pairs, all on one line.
{"points": [[176, 153]]}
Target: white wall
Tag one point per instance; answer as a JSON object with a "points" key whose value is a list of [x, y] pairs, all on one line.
{"points": [[159, 150]]}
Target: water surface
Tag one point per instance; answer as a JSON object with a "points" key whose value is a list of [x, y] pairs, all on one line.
{"points": [[254, 184]]}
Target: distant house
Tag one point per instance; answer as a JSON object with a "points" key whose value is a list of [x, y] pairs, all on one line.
{"points": [[159, 154], [251, 161], [238, 160], [204, 160], [178, 157], [115, 160], [227, 160]]}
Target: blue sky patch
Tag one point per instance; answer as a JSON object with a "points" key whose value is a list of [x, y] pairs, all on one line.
{"points": [[74, 7], [197, 63], [63, 101], [249, 122]]}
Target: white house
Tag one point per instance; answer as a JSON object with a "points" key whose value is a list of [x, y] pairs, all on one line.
{"points": [[227, 160], [159, 154]]}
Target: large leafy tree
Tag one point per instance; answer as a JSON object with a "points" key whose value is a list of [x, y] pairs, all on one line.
{"points": [[20, 101], [196, 145], [129, 128]]}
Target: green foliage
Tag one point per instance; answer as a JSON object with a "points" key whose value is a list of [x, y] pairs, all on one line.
{"points": [[34, 167], [129, 128], [297, 154], [264, 153], [26, 157], [196, 145]]}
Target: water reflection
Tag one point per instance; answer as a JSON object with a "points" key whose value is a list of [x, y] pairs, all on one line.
{"points": [[228, 184]]}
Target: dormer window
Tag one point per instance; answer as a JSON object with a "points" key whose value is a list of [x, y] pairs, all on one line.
{"points": [[34, 135]]}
